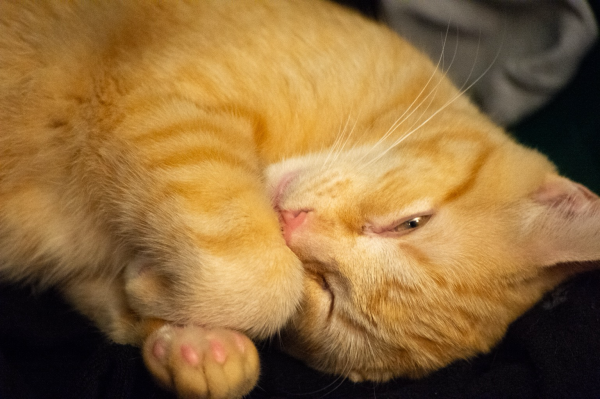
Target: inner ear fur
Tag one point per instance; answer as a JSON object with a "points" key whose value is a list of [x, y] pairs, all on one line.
{"points": [[563, 224]]}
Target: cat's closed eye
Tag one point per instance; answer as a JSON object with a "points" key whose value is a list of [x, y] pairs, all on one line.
{"points": [[411, 224], [399, 228]]}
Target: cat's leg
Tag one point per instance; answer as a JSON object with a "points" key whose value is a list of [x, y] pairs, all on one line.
{"points": [[184, 190], [192, 361]]}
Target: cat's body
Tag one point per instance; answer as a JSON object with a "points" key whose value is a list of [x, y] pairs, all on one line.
{"points": [[150, 156]]}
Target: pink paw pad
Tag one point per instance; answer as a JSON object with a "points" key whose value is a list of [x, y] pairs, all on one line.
{"points": [[239, 342], [201, 362], [159, 349], [190, 355], [218, 351]]}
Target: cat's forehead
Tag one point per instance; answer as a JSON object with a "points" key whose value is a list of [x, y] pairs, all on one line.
{"points": [[421, 206], [424, 173]]}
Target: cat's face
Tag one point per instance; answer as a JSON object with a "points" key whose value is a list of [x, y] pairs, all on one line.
{"points": [[424, 255]]}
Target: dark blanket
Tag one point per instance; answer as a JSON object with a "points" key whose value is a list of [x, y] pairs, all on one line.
{"points": [[553, 351]]}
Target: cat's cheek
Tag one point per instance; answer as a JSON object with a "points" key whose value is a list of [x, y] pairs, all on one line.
{"points": [[304, 334]]}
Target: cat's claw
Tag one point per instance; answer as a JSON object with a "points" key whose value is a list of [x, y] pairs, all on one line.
{"points": [[197, 362]]}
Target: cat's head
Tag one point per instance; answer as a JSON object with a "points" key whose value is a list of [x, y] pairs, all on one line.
{"points": [[425, 255]]}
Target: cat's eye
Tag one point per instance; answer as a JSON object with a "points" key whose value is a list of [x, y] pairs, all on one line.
{"points": [[412, 224], [399, 227]]}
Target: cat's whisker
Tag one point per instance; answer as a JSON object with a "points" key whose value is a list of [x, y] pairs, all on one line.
{"points": [[342, 380], [343, 375], [410, 129], [460, 93], [341, 134], [370, 346], [347, 139], [342, 142], [399, 121], [424, 112], [276, 335], [338, 139], [473, 67], [352, 130], [402, 118], [336, 380], [331, 149], [338, 144], [311, 393], [339, 380], [431, 96]]}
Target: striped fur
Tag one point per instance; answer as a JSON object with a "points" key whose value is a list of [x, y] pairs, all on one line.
{"points": [[144, 149]]}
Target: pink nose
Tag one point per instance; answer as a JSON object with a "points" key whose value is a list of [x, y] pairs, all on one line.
{"points": [[290, 221]]}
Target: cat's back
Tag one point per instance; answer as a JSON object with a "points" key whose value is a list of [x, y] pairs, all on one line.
{"points": [[278, 61], [266, 38]]}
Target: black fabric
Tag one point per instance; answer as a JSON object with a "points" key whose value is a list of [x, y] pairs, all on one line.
{"points": [[49, 351], [553, 351], [370, 8], [568, 128]]}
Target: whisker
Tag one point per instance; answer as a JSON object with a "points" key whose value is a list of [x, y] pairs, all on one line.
{"points": [[336, 387], [370, 347], [343, 374], [424, 112], [335, 381], [332, 148], [343, 145], [461, 92], [402, 118]]}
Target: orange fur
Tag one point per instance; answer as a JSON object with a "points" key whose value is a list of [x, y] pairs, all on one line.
{"points": [[142, 145]]}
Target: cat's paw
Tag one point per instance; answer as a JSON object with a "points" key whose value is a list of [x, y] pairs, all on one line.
{"points": [[197, 362]]}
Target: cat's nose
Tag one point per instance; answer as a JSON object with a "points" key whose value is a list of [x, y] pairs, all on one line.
{"points": [[290, 221]]}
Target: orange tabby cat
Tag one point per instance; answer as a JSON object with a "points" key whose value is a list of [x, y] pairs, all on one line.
{"points": [[151, 154]]}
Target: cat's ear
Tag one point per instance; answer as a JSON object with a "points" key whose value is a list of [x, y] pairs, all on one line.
{"points": [[564, 224]]}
